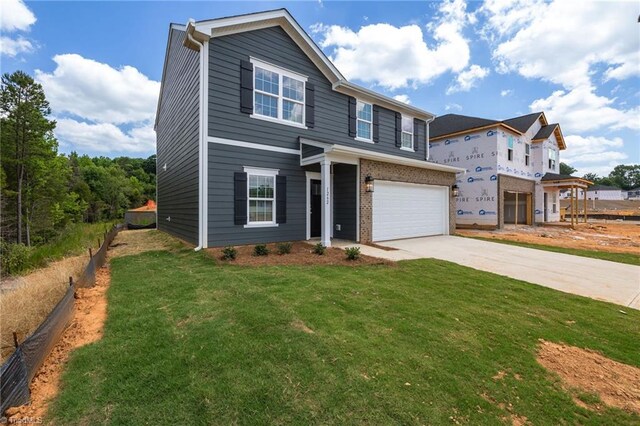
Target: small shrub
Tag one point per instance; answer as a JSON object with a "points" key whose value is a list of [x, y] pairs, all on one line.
{"points": [[260, 250], [229, 253], [353, 253], [319, 249], [284, 248], [14, 258]]}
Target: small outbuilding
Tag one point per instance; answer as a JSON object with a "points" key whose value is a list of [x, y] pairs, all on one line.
{"points": [[142, 217]]}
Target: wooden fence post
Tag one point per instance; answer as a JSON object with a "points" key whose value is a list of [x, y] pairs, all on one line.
{"points": [[70, 281], [90, 253], [15, 339]]}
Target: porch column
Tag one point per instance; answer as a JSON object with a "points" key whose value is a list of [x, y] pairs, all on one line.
{"points": [[584, 199], [325, 172]]}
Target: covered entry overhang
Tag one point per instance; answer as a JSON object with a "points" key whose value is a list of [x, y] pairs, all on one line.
{"points": [[326, 154], [573, 184]]}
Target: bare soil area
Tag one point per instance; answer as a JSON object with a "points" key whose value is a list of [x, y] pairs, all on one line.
{"points": [[90, 313], [132, 242], [609, 237], [301, 254], [616, 384]]}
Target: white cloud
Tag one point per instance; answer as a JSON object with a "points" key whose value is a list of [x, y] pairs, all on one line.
{"points": [[506, 92], [561, 41], [12, 47], [395, 57], [15, 16], [468, 79], [593, 154], [581, 110], [99, 92], [402, 98], [105, 137], [453, 107]]}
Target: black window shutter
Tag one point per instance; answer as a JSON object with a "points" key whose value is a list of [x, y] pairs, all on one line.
{"points": [[417, 133], [281, 199], [246, 87], [376, 123], [352, 117], [398, 129], [240, 198], [310, 105]]}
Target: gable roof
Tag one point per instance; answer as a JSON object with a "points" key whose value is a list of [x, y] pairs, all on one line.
{"points": [[524, 122], [202, 31], [453, 123], [545, 131]]}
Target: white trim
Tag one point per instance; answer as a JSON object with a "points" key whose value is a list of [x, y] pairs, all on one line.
{"points": [[280, 98], [312, 159], [327, 196], [254, 171], [402, 132], [403, 148], [252, 145], [278, 120], [205, 146], [358, 137], [310, 176]]}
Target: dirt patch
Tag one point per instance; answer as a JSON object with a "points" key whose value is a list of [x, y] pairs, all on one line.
{"points": [[616, 384], [132, 242], [90, 313], [385, 248], [510, 416], [608, 237], [299, 325], [301, 254]]}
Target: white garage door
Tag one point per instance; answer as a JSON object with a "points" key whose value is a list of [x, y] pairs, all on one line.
{"points": [[406, 210]]}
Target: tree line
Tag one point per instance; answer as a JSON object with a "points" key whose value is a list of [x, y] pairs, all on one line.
{"points": [[624, 176], [41, 190]]}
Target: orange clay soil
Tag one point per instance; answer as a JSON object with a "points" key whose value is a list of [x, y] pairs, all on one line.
{"points": [[90, 313], [610, 236], [301, 254], [617, 384]]}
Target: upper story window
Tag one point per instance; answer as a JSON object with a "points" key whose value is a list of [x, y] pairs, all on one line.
{"points": [[278, 94], [407, 133], [510, 148], [527, 154], [553, 157], [364, 122]]}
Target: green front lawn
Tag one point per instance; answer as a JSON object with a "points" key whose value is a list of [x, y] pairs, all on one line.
{"points": [[191, 342], [629, 258]]}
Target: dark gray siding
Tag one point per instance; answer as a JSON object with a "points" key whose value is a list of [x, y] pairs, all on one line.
{"points": [[310, 151], [177, 142], [344, 201], [224, 160], [273, 45]]}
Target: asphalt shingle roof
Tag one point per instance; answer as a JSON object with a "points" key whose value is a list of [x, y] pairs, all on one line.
{"points": [[522, 123], [557, 176], [453, 123], [545, 131]]}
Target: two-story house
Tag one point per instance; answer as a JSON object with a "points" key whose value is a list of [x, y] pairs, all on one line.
{"points": [[512, 168], [261, 139]]}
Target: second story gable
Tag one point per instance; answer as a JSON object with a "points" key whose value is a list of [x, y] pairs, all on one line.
{"points": [[269, 84]]}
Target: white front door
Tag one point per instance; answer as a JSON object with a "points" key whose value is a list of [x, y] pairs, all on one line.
{"points": [[407, 210]]}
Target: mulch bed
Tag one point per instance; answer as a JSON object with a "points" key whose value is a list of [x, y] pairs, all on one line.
{"points": [[301, 254]]}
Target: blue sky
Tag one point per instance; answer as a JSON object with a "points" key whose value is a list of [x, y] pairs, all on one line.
{"points": [[579, 62]]}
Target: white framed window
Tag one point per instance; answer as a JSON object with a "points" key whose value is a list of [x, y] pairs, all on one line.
{"points": [[510, 148], [407, 133], [554, 203], [527, 153], [364, 121], [552, 159], [278, 94], [261, 197]]}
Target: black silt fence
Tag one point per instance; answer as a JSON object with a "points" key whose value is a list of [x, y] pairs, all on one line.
{"points": [[22, 366]]}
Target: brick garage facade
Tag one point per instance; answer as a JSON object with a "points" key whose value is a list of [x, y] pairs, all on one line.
{"points": [[509, 183], [398, 173]]}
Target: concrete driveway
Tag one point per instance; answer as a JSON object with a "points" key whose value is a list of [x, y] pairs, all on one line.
{"points": [[599, 279]]}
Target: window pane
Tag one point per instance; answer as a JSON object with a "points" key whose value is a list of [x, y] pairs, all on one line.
{"points": [[527, 149], [364, 130], [266, 105], [292, 89], [407, 124], [292, 111], [364, 111], [407, 140], [253, 211], [267, 81], [510, 142]]}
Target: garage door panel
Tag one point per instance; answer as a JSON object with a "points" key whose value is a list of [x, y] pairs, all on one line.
{"points": [[402, 210]]}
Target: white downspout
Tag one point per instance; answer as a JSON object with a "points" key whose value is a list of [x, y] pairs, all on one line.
{"points": [[202, 141]]}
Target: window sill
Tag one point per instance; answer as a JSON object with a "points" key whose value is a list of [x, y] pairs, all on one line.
{"points": [[261, 225], [278, 121], [404, 148], [359, 139]]}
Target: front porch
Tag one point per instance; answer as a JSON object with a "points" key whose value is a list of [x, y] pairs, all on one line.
{"points": [[557, 182]]}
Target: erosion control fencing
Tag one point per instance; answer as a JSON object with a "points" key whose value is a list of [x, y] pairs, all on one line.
{"points": [[21, 367]]}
